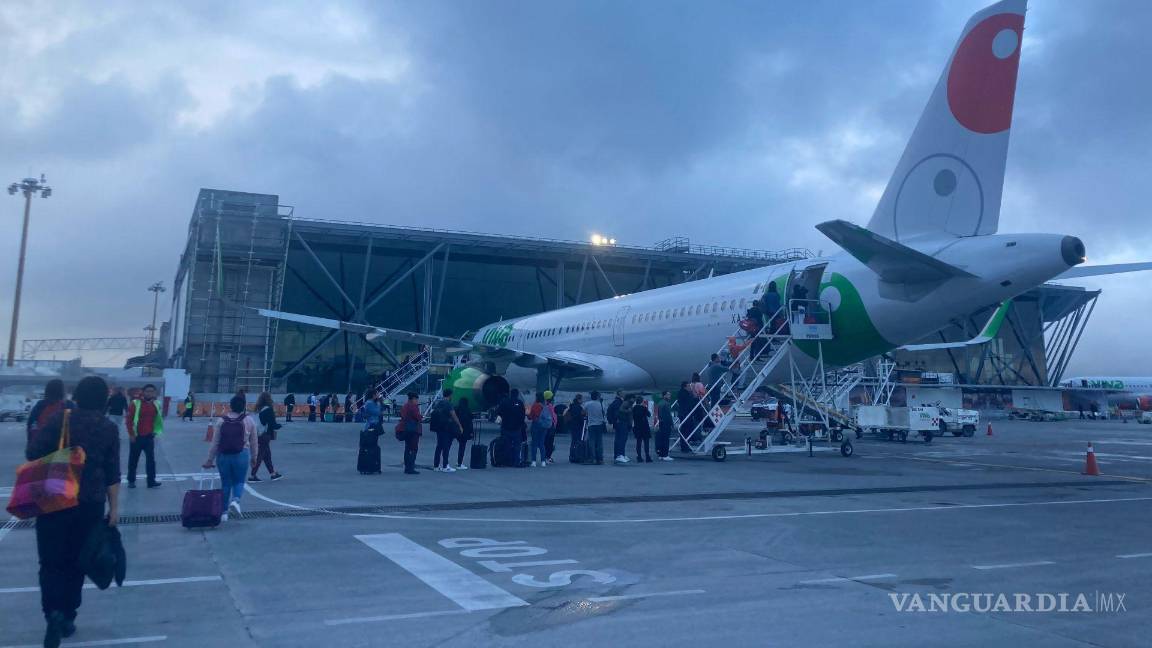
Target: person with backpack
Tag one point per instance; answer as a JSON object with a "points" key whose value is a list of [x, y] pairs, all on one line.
{"points": [[511, 414], [444, 423], [325, 401], [409, 430], [232, 446], [543, 419], [45, 408], [368, 459], [289, 405], [577, 427], [467, 432], [145, 422], [268, 427], [61, 535], [313, 402]]}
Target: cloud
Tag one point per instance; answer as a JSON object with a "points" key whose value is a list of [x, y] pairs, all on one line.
{"points": [[740, 123]]}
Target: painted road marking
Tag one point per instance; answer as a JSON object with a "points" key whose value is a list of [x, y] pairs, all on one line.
{"points": [[845, 579], [1012, 565], [7, 527], [466, 589], [127, 583], [708, 518], [629, 597], [1137, 555], [104, 642], [395, 617]]}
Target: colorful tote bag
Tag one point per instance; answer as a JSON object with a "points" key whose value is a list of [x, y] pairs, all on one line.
{"points": [[50, 483]]}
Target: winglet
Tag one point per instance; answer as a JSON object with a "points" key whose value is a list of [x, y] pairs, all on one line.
{"points": [[987, 334], [892, 261]]}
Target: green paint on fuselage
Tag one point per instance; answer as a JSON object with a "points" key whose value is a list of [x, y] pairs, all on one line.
{"points": [[855, 337]]}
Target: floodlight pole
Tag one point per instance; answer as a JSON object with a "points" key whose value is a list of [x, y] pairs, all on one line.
{"points": [[29, 187], [156, 288]]}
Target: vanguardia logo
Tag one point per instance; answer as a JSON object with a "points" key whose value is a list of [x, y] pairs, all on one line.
{"points": [[985, 602]]}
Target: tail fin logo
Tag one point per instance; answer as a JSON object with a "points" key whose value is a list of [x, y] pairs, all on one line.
{"points": [[982, 79]]}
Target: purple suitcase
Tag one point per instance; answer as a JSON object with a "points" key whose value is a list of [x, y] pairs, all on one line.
{"points": [[202, 507]]}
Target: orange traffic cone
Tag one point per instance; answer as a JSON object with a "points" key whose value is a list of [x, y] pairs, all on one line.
{"points": [[989, 430], [1090, 467], [208, 434]]}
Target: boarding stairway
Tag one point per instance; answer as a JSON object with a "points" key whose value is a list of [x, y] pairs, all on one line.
{"points": [[403, 375], [751, 365]]}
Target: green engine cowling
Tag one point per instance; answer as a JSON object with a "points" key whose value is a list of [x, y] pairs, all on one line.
{"points": [[482, 390]]}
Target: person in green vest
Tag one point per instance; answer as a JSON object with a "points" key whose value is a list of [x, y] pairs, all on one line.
{"points": [[145, 422], [189, 405]]}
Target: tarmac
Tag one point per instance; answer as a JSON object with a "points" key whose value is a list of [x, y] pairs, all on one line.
{"points": [[779, 549]]}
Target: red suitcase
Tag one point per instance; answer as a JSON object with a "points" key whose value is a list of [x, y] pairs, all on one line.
{"points": [[202, 507]]}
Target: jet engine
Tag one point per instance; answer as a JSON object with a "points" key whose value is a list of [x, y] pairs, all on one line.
{"points": [[482, 390]]}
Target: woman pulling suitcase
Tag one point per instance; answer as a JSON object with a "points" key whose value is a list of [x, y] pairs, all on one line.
{"points": [[368, 462]]}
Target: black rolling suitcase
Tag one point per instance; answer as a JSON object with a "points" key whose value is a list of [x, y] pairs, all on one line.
{"points": [[479, 450], [578, 451], [368, 461]]}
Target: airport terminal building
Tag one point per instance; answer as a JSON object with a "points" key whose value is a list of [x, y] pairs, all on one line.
{"points": [[248, 249], [254, 251]]}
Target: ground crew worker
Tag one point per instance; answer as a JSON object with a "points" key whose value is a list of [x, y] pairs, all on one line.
{"points": [[145, 422]]}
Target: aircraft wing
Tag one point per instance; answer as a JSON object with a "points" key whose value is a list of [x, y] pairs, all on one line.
{"points": [[892, 261], [1098, 270], [986, 334], [452, 345], [372, 332]]}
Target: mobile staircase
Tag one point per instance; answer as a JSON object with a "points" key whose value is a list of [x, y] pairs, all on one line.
{"points": [[403, 375], [751, 365]]}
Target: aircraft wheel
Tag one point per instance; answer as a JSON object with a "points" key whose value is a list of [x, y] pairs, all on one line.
{"points": [[846, 448], [719, 453]]}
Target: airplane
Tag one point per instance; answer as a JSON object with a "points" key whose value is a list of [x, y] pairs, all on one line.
{"points": [[1125, 393], [930, 254]]}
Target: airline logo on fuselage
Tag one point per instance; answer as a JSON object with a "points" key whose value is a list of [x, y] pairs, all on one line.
{"points": [[497, 335], [1106, 384]]}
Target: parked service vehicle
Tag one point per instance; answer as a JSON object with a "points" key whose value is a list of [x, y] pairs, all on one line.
{"points": [[14, 408], [1145, 417], [898, 423], [960, 422]]}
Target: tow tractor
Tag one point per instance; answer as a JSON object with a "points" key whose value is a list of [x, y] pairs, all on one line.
{"points": [[960, 422]]}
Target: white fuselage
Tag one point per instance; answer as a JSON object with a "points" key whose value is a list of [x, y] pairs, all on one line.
{"points": [[655, 339]]}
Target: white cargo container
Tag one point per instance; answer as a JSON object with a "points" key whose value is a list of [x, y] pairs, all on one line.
{"points": [[897, 423]]}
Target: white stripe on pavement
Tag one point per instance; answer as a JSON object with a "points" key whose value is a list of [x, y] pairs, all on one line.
{"points": [[843, 579], [7, 527], [394, 617], [465, 588], [137, 583], [629, 597], [1137, 555], [104, 642], [1012, 565]]}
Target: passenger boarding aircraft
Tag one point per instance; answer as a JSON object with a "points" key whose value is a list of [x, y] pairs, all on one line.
{"points": [[929, 255]]}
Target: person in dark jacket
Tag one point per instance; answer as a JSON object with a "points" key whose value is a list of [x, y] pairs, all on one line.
{"points": [[623, 425], [685, 403], [289, 405], [411, 421], [117, 405], [60, 536], [267, 435], [189, 407], [664, 422], [642, 430], [550, 439], [325, 401], [512, 417], [348, 407], [467, 431], [47, 407]]}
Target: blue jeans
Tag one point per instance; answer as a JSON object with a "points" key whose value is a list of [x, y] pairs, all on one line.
{"points": [[539, 433], [596, 442], [620, 445], [233, 471]]}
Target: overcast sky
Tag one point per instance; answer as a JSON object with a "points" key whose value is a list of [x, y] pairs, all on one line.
{"points": [[734, 123]]}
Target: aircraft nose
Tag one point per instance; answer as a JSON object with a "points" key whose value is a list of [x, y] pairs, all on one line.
{"points": [[1072, 249]]}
